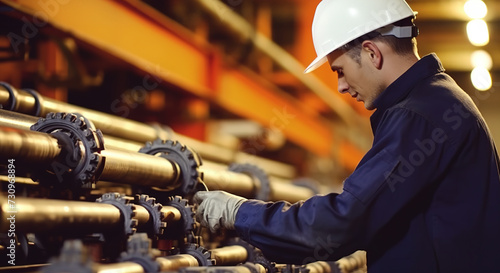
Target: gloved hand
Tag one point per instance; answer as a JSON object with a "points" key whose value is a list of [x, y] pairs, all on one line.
{"points": [[217, 209]]}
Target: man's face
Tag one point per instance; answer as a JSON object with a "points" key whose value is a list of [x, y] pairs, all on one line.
{"points": [[357, 79]]}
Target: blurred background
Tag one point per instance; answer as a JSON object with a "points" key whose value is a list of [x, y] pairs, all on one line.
{"points": [[230, 72]]}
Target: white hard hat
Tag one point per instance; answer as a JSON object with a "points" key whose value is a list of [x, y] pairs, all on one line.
{"points": [[338, 22]]}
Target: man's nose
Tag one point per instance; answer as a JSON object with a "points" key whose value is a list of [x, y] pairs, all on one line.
{"points": [[343, 87]]}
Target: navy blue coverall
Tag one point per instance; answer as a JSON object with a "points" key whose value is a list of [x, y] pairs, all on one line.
{"points": [[425, 198]]}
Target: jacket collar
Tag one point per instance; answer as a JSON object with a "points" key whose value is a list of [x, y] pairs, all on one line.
{"points": [[402, 86]]}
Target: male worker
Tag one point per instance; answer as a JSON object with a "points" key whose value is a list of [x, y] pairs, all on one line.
{"points": [[426, 196]]}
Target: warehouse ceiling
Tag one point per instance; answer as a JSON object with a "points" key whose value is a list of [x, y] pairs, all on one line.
{"points": [[442, 25]]}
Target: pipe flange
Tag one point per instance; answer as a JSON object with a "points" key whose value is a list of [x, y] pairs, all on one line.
{"points": [[38, 101], [154, 209], [199, 253], [12, 96], [187, 160], [79, 164], [127, 210], [186, 225], [260, 178], [139, 252]]}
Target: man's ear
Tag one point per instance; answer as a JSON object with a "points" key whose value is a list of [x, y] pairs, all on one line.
{"points": [[373, 52]]}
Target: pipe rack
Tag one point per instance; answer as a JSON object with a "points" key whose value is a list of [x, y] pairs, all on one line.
{"points": [[133, 168], [50, 215], [123, 128]]}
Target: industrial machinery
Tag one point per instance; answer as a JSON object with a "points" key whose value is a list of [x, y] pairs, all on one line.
{"points": [[107, 110], [73, 203]]}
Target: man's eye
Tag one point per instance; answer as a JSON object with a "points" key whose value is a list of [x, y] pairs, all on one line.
{"points": [[340, 72]]}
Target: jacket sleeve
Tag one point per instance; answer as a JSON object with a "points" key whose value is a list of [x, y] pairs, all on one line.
{"points": [[407, 156]]}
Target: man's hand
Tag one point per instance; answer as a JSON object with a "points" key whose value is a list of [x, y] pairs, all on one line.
{"points": [[217, 209]]}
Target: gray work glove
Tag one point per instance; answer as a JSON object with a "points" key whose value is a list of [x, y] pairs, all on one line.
{"points": [[217, 209]]}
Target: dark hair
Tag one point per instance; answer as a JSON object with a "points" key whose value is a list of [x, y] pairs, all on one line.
{"points": [[401, 46]]}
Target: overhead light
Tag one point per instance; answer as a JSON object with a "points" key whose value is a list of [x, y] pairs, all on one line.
{"points": [[475, 9], [481, 78], [477, 31], [481, 58]]}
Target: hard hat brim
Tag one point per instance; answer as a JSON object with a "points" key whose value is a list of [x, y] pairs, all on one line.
{"points": [[315, 64]]}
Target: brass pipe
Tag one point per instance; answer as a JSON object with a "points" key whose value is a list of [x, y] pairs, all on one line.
{"points": [[135, 168], [120, 166], [48, 215], [174, 262], [142, 216], [217, 177], [354, 262], [167, 263], [229, 255], [289, 192], [236, 183], [123, 267], [246, 268], [135, 131], [16, 120], [28, 146], [244, 185], [168, 214], [321, 267], [139, 169], [111, 124]]}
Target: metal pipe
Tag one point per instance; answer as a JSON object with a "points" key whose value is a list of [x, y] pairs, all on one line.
{"points": [[139, 169], [124, 267], [30, 147], [111, 124], [353, 262], [48, 215], [244, 185], [174, 262], [225, 269], [229, 255], [128, 129], [16, 120], [289, 192], [168, 214], [236, 183], [321, 267], [120, 166], [23, 122], [23, 268]]}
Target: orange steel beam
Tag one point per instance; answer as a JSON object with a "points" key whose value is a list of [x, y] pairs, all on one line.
{"points": [[147, 40], [274, 111]]}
